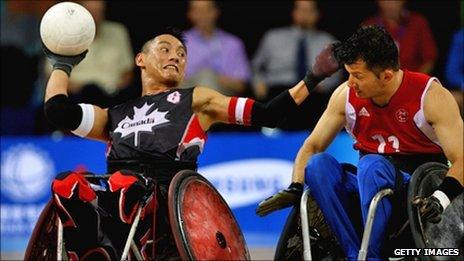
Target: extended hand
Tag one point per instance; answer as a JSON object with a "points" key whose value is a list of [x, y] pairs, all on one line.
{"points": [[430, 208], [326, 64], [62, 62], [283, 199]]}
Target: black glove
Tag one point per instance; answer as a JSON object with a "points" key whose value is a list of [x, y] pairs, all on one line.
{"points": [[283, 199], [326, 64], [63, 62], [430, 208]]}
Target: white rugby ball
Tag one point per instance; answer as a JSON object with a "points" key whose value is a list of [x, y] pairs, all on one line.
{"points": [[67, 29]]}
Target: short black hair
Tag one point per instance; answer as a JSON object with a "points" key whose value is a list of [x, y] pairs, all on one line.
{"points": [[168, 30], [372, 44]]}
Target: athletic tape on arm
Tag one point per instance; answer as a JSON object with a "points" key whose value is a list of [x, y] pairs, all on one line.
{"points": [[246, 111], [88, 117], [240, 110]]}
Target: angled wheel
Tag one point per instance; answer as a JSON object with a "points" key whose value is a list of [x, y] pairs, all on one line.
{"points": [[43, 242], [323, 242], [203, 226], [448, 233]]}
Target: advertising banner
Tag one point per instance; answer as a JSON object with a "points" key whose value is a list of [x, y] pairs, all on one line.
{"points": [[244, 167]]}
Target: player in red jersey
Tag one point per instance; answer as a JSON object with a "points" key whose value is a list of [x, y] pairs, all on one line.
{"points": [[399, 120]]}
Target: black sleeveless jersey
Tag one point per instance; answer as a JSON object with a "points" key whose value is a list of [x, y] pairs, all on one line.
{"points": [[156, 127]]}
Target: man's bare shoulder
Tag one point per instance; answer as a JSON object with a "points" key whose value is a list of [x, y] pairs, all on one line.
{"points": [[436, 89], [339, 95], [341, 90], [437, 100], [437, 95], [337, 102]]}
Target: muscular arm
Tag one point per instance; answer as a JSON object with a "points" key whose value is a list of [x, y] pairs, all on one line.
{"points": [[58, 85], [325, 131], [213, 107], [442, 112], [328, 126]]}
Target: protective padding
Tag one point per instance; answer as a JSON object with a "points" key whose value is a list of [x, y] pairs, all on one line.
{"points": [[203, 226], [449, 232]]}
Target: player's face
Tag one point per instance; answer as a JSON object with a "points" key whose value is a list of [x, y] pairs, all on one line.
{"points": [[165, 61], [364, 81]]}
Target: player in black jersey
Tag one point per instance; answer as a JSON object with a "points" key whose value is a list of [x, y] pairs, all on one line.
{"points": [[155, 135]]}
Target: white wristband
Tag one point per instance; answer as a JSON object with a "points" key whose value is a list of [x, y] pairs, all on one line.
{"points": [[88, 116], [442, 197]]}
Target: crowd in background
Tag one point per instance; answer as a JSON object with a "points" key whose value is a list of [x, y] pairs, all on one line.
{"points": [[216, 58]]}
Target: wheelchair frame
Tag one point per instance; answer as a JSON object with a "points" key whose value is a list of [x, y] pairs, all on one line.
{"points": [[129, 245], [414, 217], [37, 251], [129, 242]]}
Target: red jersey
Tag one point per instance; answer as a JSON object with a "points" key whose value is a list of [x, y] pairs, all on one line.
{"points": [[400, 126]]}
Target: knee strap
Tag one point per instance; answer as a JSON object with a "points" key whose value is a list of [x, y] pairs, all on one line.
{"points": [[66, 184], [71, 191], [129, 189]]}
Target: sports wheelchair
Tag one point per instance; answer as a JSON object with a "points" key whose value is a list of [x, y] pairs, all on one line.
{"points": [[306, 235], [202, 224]]}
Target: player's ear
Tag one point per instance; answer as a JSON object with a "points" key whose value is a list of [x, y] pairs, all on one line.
{"points": [[140, 60], [387, 75]]}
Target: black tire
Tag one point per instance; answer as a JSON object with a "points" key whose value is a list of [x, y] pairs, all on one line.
{"points": [[448, 232], [43, 242], [290, 245]]}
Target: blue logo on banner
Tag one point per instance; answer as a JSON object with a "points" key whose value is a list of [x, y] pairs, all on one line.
{"points": [[26, 173]]}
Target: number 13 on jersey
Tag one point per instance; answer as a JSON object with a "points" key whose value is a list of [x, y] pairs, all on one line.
{"points": [[392, 140]]}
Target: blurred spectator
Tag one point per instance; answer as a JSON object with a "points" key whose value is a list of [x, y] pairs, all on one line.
{"points": [[283, 58], [455, 68], [19, 26], [411, 32], [21, 52], [107, 70], [215, 58]]}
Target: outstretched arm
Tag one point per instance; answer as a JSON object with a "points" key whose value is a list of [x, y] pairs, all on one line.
{"points": [[328, 126], [213, 107], [84, 120], [325, 131]]}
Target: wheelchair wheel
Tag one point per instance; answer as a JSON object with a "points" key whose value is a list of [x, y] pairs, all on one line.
{"points": [[323, 242], [203, 226], [43, 242], [448, 233]]}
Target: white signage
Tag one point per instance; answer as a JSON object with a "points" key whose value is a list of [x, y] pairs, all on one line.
{"points": [[246, 182]]}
